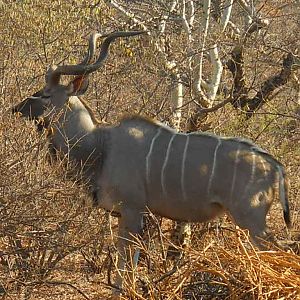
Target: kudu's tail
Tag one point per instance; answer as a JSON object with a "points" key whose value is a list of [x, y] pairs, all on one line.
{"points": [[283, 195]]}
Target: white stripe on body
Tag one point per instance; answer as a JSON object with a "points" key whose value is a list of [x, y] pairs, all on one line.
{"points": [[162, 175], [252, 175], [148, 166], [236, 160], [213, 166], [264, 166], [183, 168], [253, 168]]}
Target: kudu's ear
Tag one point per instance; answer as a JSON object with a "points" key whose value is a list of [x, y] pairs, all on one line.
{"points": [[78, 86]]}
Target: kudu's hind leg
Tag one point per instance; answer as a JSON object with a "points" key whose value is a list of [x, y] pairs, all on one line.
{"points": [[251, 215], [130, 225]]}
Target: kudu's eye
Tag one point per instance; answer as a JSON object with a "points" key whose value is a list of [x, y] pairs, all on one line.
{"points": [[37, 94], [45, 98], [46, 93]]}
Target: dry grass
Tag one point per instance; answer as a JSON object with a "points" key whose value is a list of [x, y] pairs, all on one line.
{"points": [[220, 267]]}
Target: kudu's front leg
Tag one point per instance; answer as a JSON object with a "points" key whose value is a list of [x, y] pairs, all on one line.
{"points": [[130, 225]]}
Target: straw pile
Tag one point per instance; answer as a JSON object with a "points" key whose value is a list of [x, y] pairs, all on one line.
{"points": [[226, 269]]}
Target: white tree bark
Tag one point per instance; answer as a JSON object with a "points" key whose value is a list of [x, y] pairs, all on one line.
{"points": [[216, 74], [226, 14], [188, 19], [177, 102], [198, 58], [162, 25]]}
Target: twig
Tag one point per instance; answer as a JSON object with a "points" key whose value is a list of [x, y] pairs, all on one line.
{"points": [[171, 272], [214, 108], [34, 283], [109, 282]]}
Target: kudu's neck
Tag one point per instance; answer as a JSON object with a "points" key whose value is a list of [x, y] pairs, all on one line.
{"points": [[76, 136]]}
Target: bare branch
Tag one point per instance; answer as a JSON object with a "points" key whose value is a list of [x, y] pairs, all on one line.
{"points": [[240, 97], [214, 108], [236, 67], [185, 22], [296, 84], [226, 14], [191, 7], [216, 73], [163, 22], [128, 14], [198, 60], [176, 267], [271, 84], [254, 21]]}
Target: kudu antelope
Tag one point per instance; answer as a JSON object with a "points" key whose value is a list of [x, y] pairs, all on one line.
{"points": [[141, 165]]}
